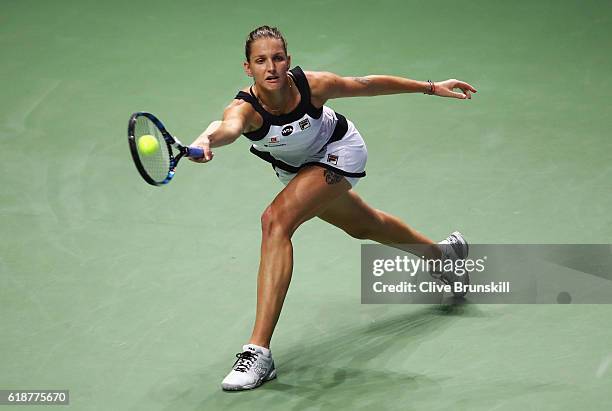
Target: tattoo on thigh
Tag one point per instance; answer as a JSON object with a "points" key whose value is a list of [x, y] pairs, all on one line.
{"points": [[331, 177]]}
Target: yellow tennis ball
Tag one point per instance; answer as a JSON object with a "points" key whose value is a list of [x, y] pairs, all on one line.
{"points": [[147, 144]]}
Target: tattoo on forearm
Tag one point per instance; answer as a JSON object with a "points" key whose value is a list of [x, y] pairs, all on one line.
{"points": [[362, 80], [331, 177]]}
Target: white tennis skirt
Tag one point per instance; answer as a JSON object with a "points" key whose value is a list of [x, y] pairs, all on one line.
{"points": [[347, 157]]}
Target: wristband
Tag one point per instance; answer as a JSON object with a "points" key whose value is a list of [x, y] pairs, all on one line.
{"points": [[432, 88]]}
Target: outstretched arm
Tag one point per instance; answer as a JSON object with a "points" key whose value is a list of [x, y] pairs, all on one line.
{"points": [[220, 133], [327, 85]]}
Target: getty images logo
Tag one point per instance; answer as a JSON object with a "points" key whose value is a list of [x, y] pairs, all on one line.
{"points": [[287, 130]]}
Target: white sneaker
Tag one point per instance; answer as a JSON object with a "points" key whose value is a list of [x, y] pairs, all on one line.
{"points": [[253, 367], [454, 248]]}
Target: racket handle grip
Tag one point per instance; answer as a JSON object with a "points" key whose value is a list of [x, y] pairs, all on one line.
{"points": [[195, 152]]}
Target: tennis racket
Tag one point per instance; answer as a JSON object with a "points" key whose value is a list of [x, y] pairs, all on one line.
{"points": [[156, 161]]}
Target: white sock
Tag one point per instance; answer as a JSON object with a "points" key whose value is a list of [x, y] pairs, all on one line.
{"points": [[264, 350]]}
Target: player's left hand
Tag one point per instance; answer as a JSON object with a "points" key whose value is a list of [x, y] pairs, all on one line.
{"points": [[445, 89]]}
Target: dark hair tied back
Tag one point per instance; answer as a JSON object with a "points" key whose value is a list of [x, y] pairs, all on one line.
{"points": [[260, 33]]}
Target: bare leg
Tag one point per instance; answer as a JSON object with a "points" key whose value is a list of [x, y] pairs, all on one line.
{"points": [[306, 196], [350, 213]]}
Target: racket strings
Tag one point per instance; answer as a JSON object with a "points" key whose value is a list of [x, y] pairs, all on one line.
{"points": [[156, 164]]}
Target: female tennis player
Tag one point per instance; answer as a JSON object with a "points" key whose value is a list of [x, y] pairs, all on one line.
{"points": [[320, 156]]}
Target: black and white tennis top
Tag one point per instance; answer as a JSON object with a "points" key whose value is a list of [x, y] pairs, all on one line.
{"points": [[287, 140]]}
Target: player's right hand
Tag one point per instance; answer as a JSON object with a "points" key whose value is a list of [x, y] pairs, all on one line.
{"points": [[204, 144]]}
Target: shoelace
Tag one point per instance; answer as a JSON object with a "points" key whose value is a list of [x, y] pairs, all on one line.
{"points": [[455, 245], [454, 242], [245, 361]]}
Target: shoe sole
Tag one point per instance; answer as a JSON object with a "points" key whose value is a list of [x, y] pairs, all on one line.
{"points": [[227, 387], [466, 282]]}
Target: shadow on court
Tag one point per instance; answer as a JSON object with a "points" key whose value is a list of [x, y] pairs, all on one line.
{"points": [[348, 362], [365, 367]]}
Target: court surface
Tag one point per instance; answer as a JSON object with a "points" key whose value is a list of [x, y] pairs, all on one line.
{"points": [[137, 298]]}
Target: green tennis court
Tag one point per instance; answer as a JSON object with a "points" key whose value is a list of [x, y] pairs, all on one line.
{"points": [[137, 298]]}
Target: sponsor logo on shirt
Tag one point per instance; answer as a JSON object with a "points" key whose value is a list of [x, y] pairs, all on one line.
{"points": [[332, 158], [287, 130], [274, 141], [304, 124]]}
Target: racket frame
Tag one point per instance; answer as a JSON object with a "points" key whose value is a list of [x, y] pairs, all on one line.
{"points": [[170, 140]]}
